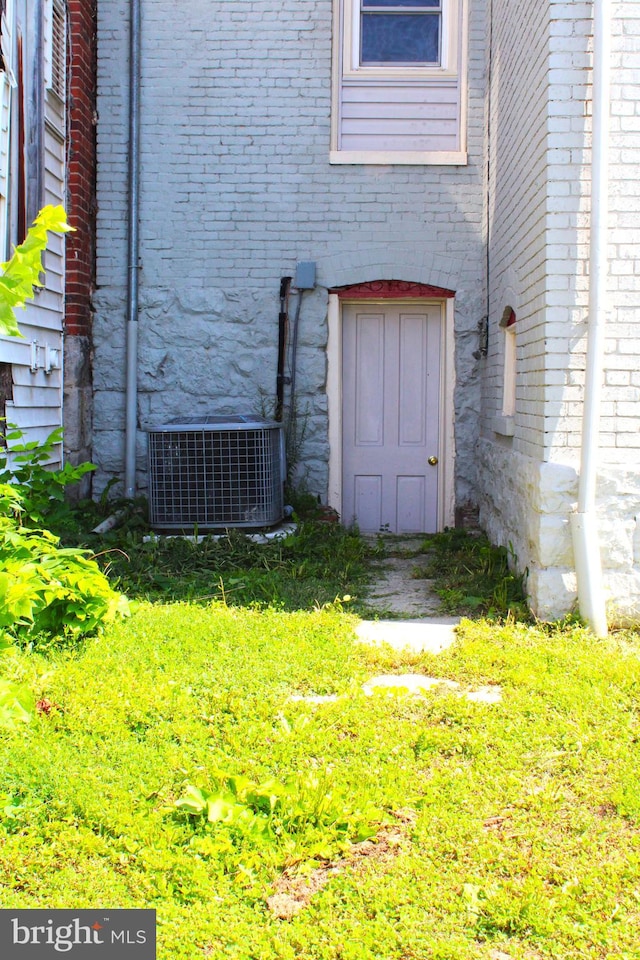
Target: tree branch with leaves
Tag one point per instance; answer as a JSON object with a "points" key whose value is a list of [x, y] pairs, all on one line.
{"points": [[23, 272]]}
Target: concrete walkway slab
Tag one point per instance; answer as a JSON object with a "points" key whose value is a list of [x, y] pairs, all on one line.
{"points": [[409, 682], [400, 586], [416, 684], [431, 634]]}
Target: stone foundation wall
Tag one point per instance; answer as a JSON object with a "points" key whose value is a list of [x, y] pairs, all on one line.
{"points": [[528, 512]]}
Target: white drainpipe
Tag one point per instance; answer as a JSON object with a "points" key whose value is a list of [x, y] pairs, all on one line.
{"points": [[586, 545]]}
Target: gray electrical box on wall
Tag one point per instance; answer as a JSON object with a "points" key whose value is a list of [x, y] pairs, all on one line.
{"points": [[305, 275]]}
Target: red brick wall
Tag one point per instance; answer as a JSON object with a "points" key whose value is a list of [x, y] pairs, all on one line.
{"points": [[81, 195]]}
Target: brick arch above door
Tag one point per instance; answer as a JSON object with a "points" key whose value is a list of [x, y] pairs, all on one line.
{"points": [[391, 290], [408, 264]]}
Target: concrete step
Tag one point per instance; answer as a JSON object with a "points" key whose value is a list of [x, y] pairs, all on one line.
{"points": [[432, 634]]}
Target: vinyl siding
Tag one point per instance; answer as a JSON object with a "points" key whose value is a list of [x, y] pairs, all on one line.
{"points": [[36, 407], [399, 116]]}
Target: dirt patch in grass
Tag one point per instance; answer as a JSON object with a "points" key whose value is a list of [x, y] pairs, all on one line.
{"points": [[293, 891]]}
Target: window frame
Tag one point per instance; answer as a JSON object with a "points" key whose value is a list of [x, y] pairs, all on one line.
{"points": [[504, 422], [452, 70], [55, 48], [449, 47]]}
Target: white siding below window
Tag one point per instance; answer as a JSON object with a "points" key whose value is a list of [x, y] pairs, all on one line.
{"points": [[400, 116], [37, 395]]}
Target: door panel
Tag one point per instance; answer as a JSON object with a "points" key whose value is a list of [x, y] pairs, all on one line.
{"points": [[391, 418], [368, 501], [369, 398], [412, 381], [411, 504]]}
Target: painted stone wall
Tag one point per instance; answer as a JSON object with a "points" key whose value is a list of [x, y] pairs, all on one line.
{"points": [[514, 510], [541, 532], [236, 188]]}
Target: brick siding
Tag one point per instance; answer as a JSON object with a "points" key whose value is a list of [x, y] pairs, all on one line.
{"points": [[81, 174]]}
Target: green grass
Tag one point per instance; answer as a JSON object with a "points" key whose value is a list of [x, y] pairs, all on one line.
{"points": [[314, 566], [524, 836], [472, 577], [320, 562]]}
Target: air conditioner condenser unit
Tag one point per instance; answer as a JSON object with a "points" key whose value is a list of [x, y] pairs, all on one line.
{"points": [[216, 472]]}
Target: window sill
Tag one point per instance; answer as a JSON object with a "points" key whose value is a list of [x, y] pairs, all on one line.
{"points": [[421, 75], [504, 426], [407, 157]]}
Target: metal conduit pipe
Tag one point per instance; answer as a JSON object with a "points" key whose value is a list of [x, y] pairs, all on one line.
{"points": [[586, 546], [133, 218]]}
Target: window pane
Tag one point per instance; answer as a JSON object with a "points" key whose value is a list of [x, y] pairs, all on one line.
{"points": [[400, 38], [400, 3]]}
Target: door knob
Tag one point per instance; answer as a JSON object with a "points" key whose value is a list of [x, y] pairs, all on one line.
{"points": [[432, 461]]}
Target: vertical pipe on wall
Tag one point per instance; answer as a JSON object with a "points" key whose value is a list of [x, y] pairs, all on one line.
{"points": [[584, 522], [283, 322], [488, 160], [133, 164]]}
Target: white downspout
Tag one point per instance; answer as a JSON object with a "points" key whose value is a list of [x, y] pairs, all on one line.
{"points": [[586, 546]]}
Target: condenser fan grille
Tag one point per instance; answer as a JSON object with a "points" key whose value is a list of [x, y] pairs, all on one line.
{"points": [[221, 473]]}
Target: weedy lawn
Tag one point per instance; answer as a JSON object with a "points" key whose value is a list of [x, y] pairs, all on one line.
{"points": [[169, 766]]}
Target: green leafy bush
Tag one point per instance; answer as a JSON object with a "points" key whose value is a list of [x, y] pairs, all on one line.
{"points": [[41, 489], [46, 592], [15, 700], [45, 589], [305, 817]]}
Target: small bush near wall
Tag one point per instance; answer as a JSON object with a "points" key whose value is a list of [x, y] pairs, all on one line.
{"points": [[47, 593]]}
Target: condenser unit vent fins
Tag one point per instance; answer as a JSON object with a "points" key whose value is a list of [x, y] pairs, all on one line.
{"points": [[216, 472]]}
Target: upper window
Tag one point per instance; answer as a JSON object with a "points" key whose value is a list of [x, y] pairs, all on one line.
{"points": [[55, 50], [399, 81], [400, 32]]}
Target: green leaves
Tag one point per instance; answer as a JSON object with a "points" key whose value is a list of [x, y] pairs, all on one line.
{"points": [[45, 589], [303, 817], [16, 705], [473, 577], [23, 271], [41, 489]]}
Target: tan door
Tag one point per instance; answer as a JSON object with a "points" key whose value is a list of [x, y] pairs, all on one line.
{"points": [[391, 416]]}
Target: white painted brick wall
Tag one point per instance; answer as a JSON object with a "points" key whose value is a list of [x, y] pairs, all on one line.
{"points": [[516, 140], [552, 335], [569, 151], [237, 187]]}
